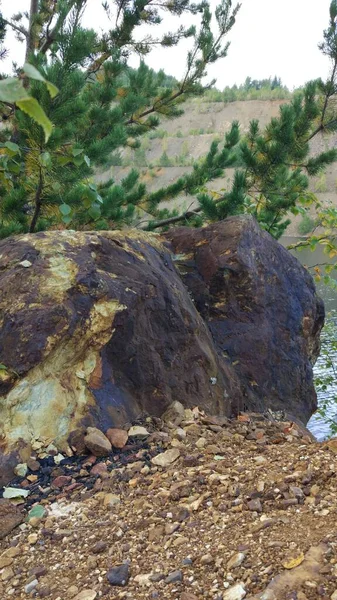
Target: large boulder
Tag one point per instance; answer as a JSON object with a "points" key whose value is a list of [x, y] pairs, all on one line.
{"points": [[97, 328], [261, 308]]}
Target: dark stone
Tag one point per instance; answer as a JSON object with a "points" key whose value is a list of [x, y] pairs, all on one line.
{"points": [[10, 517], [7, 464], [119, 575], [174, 577], [261, 308], [99, 547]]}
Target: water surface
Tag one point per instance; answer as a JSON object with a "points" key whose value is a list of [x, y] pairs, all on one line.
{"points": [[317, 425]]}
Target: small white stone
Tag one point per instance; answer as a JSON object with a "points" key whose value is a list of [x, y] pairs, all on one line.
{"points": [[25, 264], [236, 592], [138, 431]]}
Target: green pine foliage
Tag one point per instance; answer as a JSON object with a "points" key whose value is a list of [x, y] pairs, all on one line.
{"points": [[102, 106]]}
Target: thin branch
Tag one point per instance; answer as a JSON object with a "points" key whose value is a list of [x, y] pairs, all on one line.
{"points": [[323, 126], [183, 217], [17, 28], [50, 37], [38, 203]]}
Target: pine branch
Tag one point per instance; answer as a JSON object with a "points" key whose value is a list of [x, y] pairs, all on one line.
{"points": [[183, 217], [38, 203], [16, 28]]}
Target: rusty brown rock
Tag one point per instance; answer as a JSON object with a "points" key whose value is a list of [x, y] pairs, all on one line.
{"points": [[97, 442], [10, 517], [99, 330], [117, 437]]}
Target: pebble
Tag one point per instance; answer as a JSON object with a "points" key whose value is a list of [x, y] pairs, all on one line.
{"points": [[166, 458], [32, 539], [236, 592], [99, 547], [99, 469], [260, 460], [111, 500], [117, 437], [188, 596], [86, 595], [119, 575], [174, 577], [236, 560], [174, 414], [143, 579], [97, 442], [7, 573], [138, 431], [255, 505], [207, 559], [21, 470], [37, 512], [334, 596], [61, 481], [180, 434], [31, 586], [10, 517]]}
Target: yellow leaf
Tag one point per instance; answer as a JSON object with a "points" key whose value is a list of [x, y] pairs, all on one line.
{"points": [[294, 562]]}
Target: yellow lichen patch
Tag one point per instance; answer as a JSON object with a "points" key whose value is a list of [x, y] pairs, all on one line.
{"points": [[101, 319], [61, 276], [54, 396]]}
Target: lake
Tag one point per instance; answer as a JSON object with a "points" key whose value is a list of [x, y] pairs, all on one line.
{"points": [[317, 425]]}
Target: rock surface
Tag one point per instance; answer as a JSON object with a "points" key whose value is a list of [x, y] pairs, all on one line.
{"points": [[261, 307], [97, 442], [99, 329], [10, 517]]}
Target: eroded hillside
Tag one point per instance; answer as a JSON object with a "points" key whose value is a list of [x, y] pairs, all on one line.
{"points": [[170, 151]]}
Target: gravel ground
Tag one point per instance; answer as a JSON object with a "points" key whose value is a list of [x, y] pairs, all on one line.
{"points": [[203, 508]]}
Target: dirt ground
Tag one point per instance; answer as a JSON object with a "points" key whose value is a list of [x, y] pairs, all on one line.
{"points": [[229, 510]]}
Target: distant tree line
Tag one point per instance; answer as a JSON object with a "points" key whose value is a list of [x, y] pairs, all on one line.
{"points": [[252, 89]]}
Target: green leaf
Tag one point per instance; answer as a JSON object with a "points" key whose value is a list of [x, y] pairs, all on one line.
{"points": [[66, 219], [77, 151], [10, 492], [32, 108], [65, 209], [94, 211], [87, 160], [33, 73], [99, 198], [45, 159], [64, 160], [14, 148], [12, 90], [93, 187], [3, 368], [14, 167], [78, 160]]}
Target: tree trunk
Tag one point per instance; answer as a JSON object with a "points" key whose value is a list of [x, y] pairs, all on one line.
{"points": [[34, 7]]}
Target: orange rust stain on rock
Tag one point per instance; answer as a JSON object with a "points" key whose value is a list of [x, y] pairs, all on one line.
{"points": [[95, 381]]}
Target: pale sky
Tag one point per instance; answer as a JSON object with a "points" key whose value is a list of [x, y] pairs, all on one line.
{"points": [[269, 38]]}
